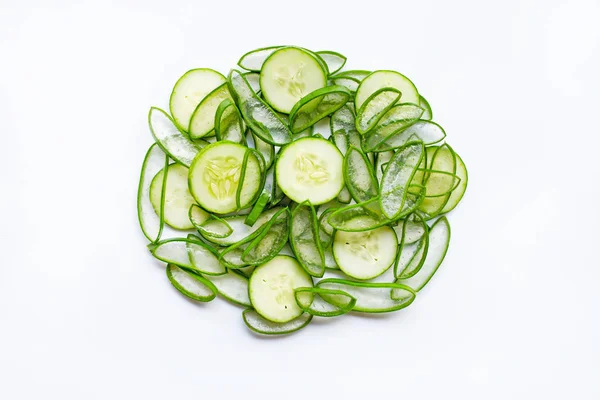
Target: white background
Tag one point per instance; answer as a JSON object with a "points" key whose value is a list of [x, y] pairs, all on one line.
{"points": [[86, 313]]}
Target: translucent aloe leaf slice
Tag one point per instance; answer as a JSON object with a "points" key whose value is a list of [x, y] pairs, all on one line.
{"points": [[317, 105], [239, 230], [270, 242], [170, 139], [229, 124], [193, 286], [263, 326], [233, 287], [261, 118], [315, 304], [370, 297], [439, 240], [359, 176], [398, 118], [406, 267], [335, 61], [253, 60], [427, 132], [459, 192], [305, 239], [151, 222], [442, 158], [397, 177], [424, 104], [375, 107]]}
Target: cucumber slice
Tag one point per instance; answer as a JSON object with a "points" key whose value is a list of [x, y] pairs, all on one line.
{"points": [[439, 240], [440, 183], [424, 104], [375, 107], [151, 218], [189, 90], [386, 79], [270, 242], [202, 121], [359, 176], [459, 192], [305, 240], [315, 304], [272, 288], [193, 286], [216, 174], [398, 118], [397, 176], [258, 324], [263, 121], [310, 169], [316, 105], [426, 131], [370, 297], [289, 74], [229, 124], [177, 201], [365, 255], [170, 139], [442, 158], [335, 61], [232, 287], [239, 230]]}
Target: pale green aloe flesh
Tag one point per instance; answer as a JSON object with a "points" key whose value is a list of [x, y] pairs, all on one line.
{"points": [[261, 118], [229, 124], [383, 159], [315, 303], [175, 251], [439, 240], [427, 132], [397, 176], [170, 139], [424, 104], [359, 176], [151, 222], [442, 158], [203, 257], [305, 240], [254, 60], [266, 150], [350, 79], [232, 286], [335, 61], [317, 105], [370, 297], [458, 193], [398, 118], [267, 245], [193, 286], [258, 324], [375, 107], [412, 231], [405, 268], [240, 230]]}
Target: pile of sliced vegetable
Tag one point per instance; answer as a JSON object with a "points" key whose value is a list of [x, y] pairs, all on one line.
{"points": [[296, 189]]}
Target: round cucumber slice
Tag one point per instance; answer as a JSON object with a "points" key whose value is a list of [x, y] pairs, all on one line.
{"points": [[386, 79], [310, 169], [178, 198], [189, 91], [272, 287], [459, 192], [289, 74], [216, 174], [365, 255]]}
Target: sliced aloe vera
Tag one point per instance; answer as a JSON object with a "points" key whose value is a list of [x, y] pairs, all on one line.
{"points": [[459, 192], [202, 122], [315, 106], [440, 183], [253, 79], [439, 240], [375, 107], [258, 324], [254, 60], [170, 139], [229, 124], [397, 176], [232, 286], [198, 217], [370, 297], [266, 150], [263, 121], [191, 285], [270, 242], [189, 90], [350, 79], [381, 79], [239, 230], [383, 159], [359, 176], [442, 158], [427, 114], [151, 222], [305, 239], [407, 267], [189, 253], [426, 131], [335, 61], [203, 257], [258, 207], [315, 304], [410, 230], [398, 118]]}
